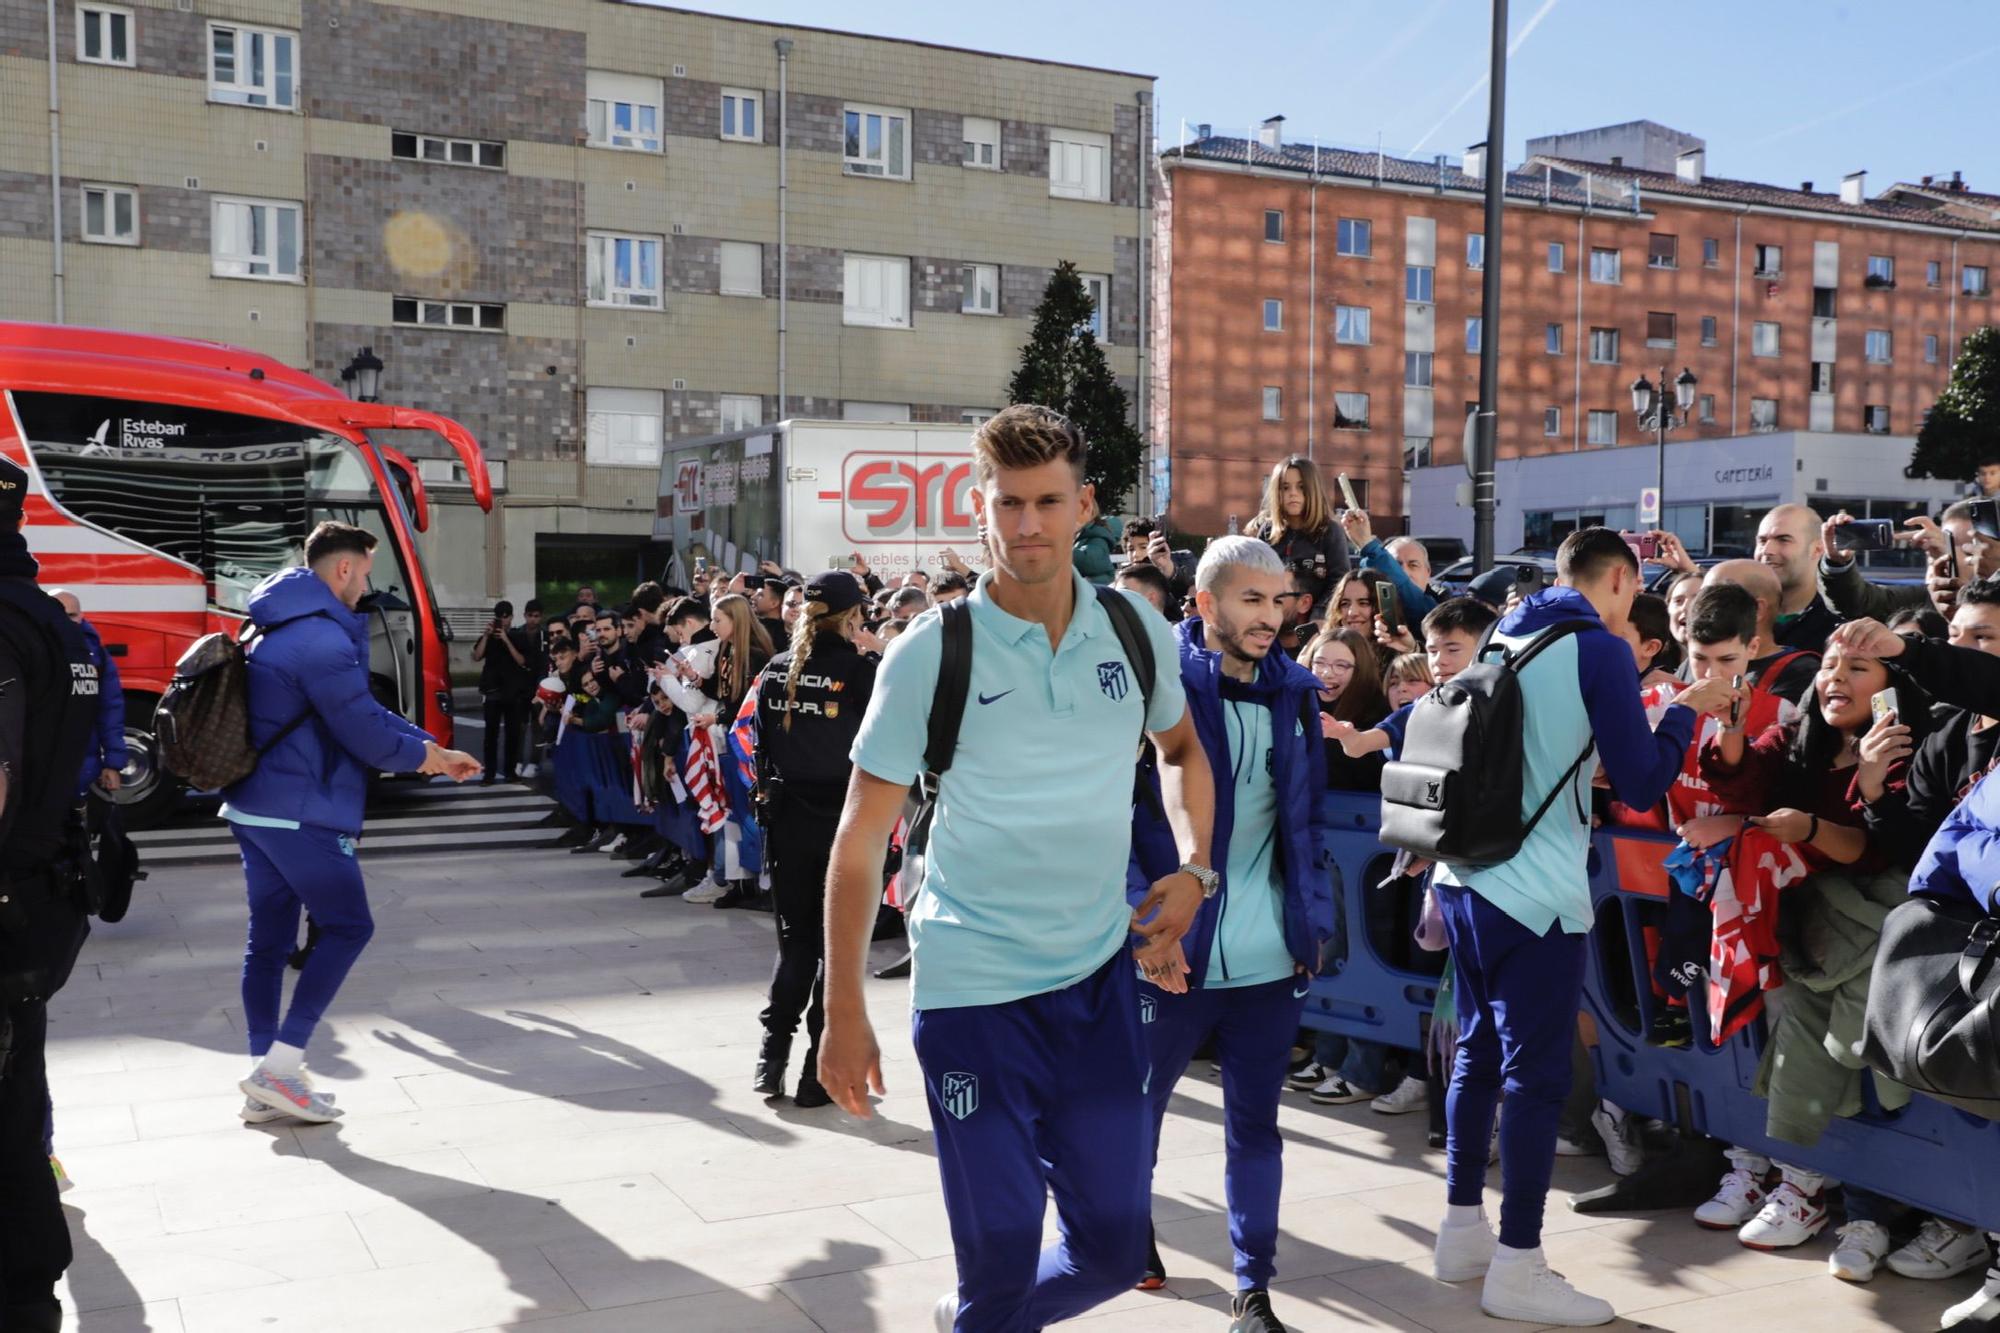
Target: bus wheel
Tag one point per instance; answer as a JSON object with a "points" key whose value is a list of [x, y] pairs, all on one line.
{"points": [[148, 793]]}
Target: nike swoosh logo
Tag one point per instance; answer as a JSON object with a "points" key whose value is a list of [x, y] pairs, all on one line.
{"points": [[995, 698], [1300, 993]]}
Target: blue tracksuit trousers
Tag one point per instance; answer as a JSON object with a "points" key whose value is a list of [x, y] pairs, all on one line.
{"points": [[1518, 994], [1253, 1027], [286, 869], [1041, 1095]]}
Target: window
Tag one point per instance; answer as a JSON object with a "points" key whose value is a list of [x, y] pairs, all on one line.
{"points": [[977, 416], [742, 115], [623, 427], [1350, 324], [1708, 338], [1763, 415], [1826, 302], [856, 410], [876, 142], [982, 143], [1355, 236], [1552, 421], [1604, 346], [624, 111], [1417, 370], [254, 238], [1881, 271], [1350, 412], [876, 293], [479, 316], [1274, 224], [103, 35], [1079, 165], [1659, 328], [110, 215], [1552, 339], [1603, 427], [1711, 251], [1763, 338], [624, 270], [1875, 418], [1473, 328], [739, 411], [1663, 251], [1274, 316], [1933, 274], [1605, 266], [742, 268], [981, 284], [1274, 398], [1097, 286], [1822, 377], [1770, 260], [1878, 347], [1416, 453], [1931, 348], [1972, 279], [1475, 250], [1555, 256], [252, 66], [1705, 407], [1417, 282], [413, 147]]}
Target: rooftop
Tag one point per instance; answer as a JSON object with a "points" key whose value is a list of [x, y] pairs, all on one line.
{"points": [[1354, 164], [1721, 189]]}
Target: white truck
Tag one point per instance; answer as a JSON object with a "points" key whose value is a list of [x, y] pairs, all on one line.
{"points": [[811, 494]]}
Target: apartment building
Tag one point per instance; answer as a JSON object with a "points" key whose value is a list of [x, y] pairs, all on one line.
{"points": [[1327, 302], [584, 228]]}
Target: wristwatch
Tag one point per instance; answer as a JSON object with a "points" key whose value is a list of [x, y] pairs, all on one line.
{"points": [[1208, 879]]}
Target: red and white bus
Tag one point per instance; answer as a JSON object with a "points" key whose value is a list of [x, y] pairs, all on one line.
{"points": [[167, 477]]}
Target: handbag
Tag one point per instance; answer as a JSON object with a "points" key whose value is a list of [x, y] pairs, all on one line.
{"points": [[1931, 1003]]}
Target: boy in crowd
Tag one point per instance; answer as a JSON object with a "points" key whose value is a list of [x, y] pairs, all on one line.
{"points": [[1452, 632]]}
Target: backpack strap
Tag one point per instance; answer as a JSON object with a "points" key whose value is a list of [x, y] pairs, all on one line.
{"points": [[1132, 637], [1518, 658], [954, 684]]}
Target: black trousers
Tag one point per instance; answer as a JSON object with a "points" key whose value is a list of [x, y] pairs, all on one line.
{"points": [[34, 1235], [800, 845], [509, 717]]}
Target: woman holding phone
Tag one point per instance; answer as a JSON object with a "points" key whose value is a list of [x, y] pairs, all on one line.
{"points": [[1298, 522]]}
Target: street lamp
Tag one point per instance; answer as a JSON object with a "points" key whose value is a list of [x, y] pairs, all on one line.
{"points": [[1655, 412], [362, 377]]}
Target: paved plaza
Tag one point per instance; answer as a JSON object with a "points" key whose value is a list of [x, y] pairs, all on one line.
{"points": [[550, 1122]]}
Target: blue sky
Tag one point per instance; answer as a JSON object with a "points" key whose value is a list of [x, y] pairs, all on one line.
{"points": [[1783, 90]]}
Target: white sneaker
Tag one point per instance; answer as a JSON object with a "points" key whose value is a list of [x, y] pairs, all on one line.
{"points": [[290, 1093], [1307, 1076], [1858, 1250], [1983, 1304], [1621, 1141], [1736, 1201], [1573, 1148], [707, 891], [944, 1315], [1520, 1286], [526, 771], [1940, 1250], [1464, 1250], [1789, 1217], [613, 847], [1337, 1091], [255, 1112], [1409, 1095]]}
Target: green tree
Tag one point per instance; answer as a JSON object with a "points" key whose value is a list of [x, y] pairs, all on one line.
{"points": [[1963, 427], [1063, 367]]}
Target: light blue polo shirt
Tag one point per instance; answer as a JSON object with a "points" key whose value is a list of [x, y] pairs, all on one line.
{"points": [[1248, 947], [1024, 887]]}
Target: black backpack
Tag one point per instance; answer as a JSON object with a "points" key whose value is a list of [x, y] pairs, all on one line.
{"points": [[1455, 794], [954, 683]]}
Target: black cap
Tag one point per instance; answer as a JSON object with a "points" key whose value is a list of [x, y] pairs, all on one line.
{"points": [[13, 491], [836, 590], [1493, 586]]}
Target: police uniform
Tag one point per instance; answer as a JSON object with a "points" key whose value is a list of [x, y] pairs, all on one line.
{"points": [[48, 715], [802, 782]]}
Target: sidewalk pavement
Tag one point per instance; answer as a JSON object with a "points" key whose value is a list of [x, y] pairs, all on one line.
{"points": [[549, 1123]]}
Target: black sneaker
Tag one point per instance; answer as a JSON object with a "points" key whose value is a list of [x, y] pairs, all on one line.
{"points": [[1252, 1311], [809, 1094], [1671, 1027]]}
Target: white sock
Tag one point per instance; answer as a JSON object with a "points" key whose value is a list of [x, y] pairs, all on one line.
{"points": [[1507, 1254], [282, 1060], [1464, 1214]]}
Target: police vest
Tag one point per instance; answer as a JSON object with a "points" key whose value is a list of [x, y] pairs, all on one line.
{"points": [[60, 682]]}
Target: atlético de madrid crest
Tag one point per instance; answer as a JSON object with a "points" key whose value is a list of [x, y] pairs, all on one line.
{"points": [[1111, 679], [959, 1094]]}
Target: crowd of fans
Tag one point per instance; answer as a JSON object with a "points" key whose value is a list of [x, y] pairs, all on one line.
{"points": [[1857, 722]]}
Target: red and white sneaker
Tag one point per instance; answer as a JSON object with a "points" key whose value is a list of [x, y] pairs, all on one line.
{"points": [[1789, 1217], [1736, 1201], [290, 1093]]}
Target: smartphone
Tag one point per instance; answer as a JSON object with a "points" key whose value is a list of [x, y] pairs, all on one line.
{"points": [[1347, 493], [1385, 604], [1986, 518], [701, 564], [1736, 704], [1884, 702], [1951, 553], [1865, 534], [1644, 545]]}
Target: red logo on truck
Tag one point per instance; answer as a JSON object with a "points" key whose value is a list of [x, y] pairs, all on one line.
{"points": [[886, 497]]}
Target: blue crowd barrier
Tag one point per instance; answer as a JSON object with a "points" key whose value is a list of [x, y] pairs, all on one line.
{"points": [[1928, 1154]]}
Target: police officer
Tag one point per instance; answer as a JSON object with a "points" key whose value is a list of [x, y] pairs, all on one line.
{"points": [[48, 710], [810, 701]]}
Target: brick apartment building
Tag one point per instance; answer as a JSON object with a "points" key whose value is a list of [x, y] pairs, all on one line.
{"points": [[1328, 302], [559, 221]]}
